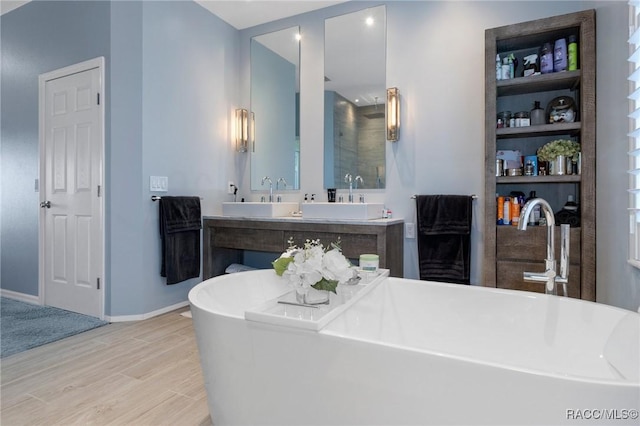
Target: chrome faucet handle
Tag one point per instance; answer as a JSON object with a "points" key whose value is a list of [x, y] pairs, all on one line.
{"points": [[358, 178], [283, 181], [348, 178], [565, 243], [267, 178]]}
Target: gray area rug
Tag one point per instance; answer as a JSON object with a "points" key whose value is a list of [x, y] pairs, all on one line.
{"points": [[24, 325]]}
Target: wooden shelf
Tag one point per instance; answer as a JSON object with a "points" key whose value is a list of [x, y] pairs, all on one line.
{"points": [[539, 83], [540, 130], [539, 179], [506, 250]]}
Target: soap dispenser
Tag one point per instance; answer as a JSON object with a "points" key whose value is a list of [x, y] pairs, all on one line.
{"points": [[537, 115]]}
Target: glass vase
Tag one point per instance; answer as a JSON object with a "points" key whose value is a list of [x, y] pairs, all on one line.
{"points": [[311, 296]]}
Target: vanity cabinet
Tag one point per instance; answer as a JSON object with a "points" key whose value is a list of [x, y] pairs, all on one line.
{"points": [[226, 238], [509, 252]]}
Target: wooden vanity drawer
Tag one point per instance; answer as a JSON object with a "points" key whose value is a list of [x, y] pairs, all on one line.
{"points": [[531, 244], [249, 239], [353, 245]]}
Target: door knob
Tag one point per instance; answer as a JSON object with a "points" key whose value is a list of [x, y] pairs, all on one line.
{"points": [[46, 204]]}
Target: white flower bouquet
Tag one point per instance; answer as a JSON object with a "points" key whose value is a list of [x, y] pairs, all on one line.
{"points": [[313, 266]]}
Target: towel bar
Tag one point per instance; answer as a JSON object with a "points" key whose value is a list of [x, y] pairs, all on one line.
{"points": [[473, 196], [157, 197]]}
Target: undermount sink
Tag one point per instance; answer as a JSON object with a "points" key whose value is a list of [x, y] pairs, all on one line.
{"points": [[255, 209], [345, 211]]}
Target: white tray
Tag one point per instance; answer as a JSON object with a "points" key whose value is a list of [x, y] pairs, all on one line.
{"points": [[285, 311]]}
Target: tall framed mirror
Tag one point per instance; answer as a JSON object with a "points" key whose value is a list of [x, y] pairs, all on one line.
{"points": [[354, 98], [275, 106]]}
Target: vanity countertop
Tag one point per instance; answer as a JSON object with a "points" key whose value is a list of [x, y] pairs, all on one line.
{"points": [[374, 222]]}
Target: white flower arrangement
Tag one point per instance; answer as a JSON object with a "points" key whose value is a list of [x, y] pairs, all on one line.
{"points": [[553, 149], [313, 266]]}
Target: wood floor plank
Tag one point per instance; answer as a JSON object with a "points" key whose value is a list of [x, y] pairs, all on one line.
{"points": [[138, 373]]}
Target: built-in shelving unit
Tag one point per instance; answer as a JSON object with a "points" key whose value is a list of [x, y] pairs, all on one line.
{"points": [[509, 252]]}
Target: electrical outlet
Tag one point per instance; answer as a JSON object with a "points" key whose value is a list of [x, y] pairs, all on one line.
{"points": [[409, 230], [230, 187]]}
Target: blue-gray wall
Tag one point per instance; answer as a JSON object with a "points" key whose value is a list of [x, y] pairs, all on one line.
{"points": [[171, 87], [34, 39], [176, 73]]}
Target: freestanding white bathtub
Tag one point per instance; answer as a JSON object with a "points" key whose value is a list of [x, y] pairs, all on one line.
{"points": [[416, 352]]}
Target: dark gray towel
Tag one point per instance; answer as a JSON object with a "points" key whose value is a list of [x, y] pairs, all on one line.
{"points": [[444, 237], [180, 224]]}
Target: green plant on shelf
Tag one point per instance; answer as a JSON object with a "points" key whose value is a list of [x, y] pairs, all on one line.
{"points": [[552, 150]]}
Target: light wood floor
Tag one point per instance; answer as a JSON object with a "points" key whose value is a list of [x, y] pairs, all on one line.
{"points": [[136, 373]]}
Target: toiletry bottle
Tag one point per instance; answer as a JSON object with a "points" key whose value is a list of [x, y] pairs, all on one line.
{"points": [[528, 169], [515, 211], [573, 53], [546, 59], [534, 217], [513, 62], [560, 55], [537, 115], [500, 204], [571, 204], [498, 68], [530, 66], [507, 210], [506, 69]]}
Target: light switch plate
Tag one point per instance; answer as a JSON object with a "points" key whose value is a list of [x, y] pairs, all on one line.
{"points": [[409, 230], [158, 183]]}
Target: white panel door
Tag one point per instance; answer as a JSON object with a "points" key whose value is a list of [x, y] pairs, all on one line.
{"points": [[72, 208]]}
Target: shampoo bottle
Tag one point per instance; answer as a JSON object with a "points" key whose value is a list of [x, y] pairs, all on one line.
{"points": [[560, 55], [573, 53], [546, 59]]}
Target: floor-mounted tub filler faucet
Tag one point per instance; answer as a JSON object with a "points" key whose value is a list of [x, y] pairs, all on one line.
{"points": [[267, 178], [549, 276], [348, 178]]}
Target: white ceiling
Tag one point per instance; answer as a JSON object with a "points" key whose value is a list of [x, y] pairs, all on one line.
{"points": [[9, 5], [243, 14], [240, 14]]}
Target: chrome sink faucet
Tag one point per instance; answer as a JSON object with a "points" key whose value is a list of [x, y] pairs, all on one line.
{"points": [[348, 178], [549, 276], [284, 183], [358, 178], [267, 178]]}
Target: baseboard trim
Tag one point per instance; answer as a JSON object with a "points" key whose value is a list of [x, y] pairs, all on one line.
{"points": [[21, 297], [125, 318]]}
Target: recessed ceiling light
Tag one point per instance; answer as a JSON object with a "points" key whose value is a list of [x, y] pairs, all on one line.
{"points": [[369, 21]]}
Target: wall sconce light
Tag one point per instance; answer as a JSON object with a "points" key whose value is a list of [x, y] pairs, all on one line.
{"points": [[242, 130], [252, 134], [393, 114]]}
